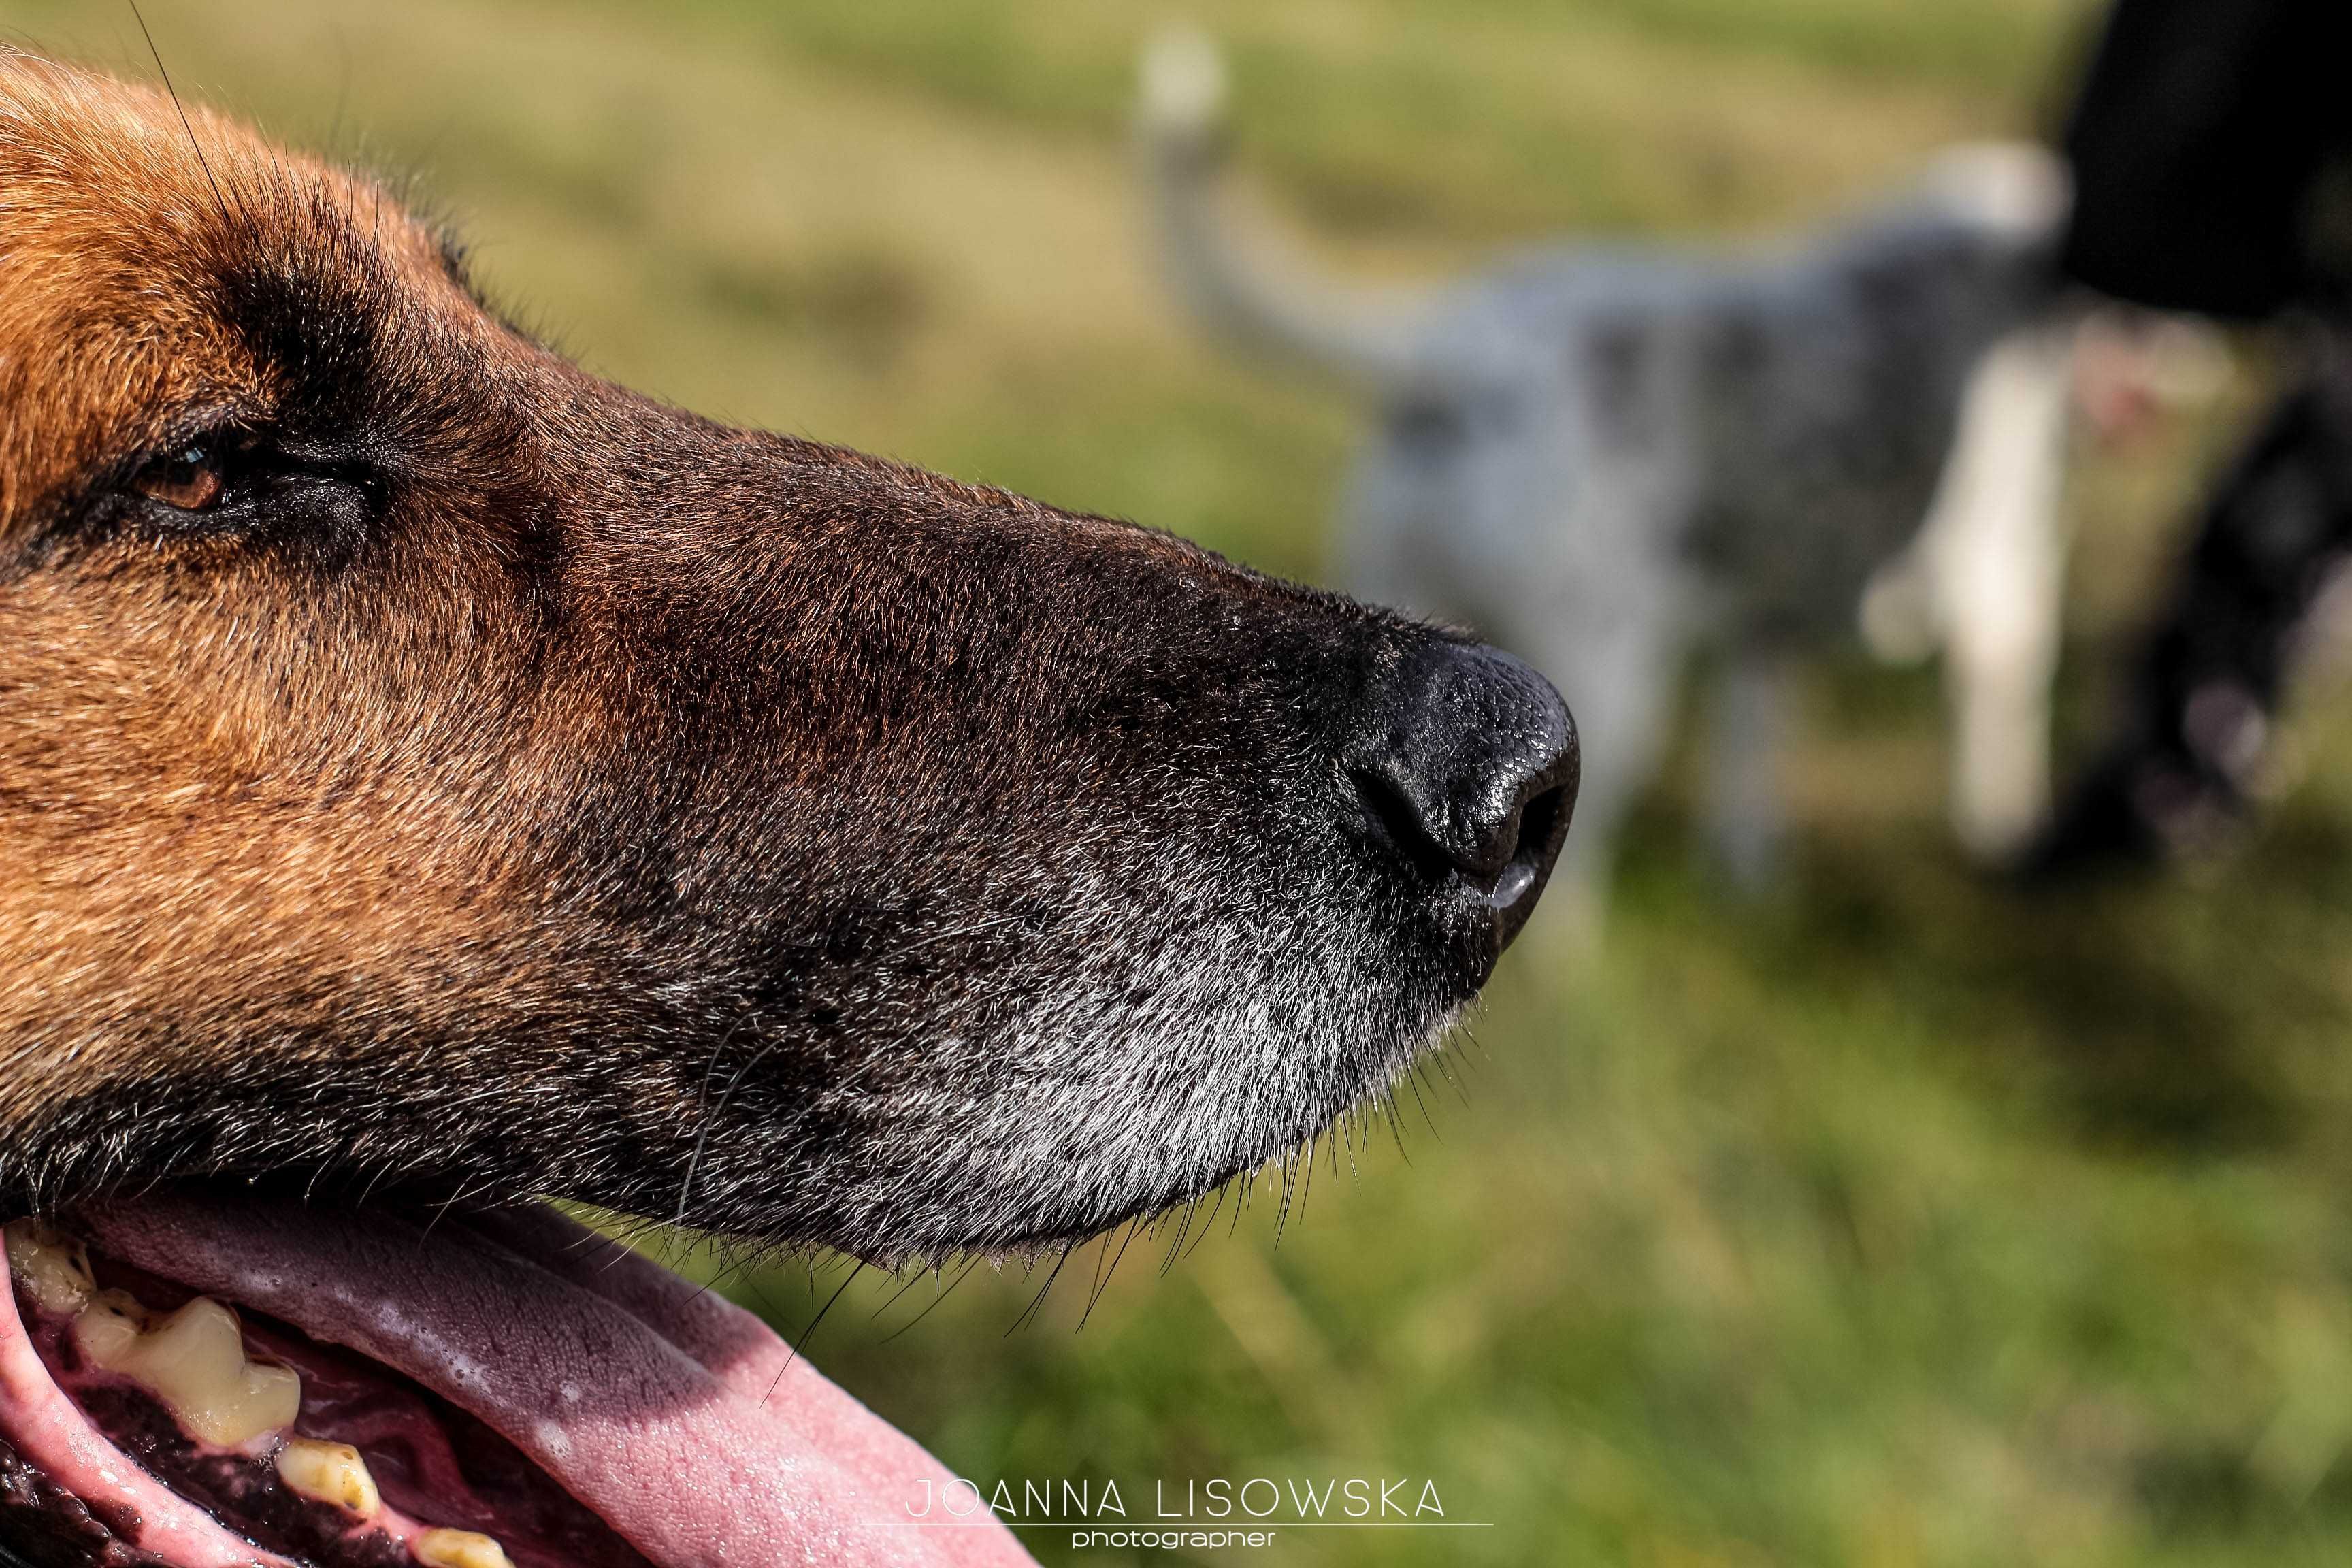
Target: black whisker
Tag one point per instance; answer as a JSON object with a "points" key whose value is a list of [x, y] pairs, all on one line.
{"points": [[970, 1264], [185, 124], [810, 1333]]}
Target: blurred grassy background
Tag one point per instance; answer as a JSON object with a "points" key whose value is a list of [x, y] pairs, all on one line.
{"points": [[1899, 1219]]}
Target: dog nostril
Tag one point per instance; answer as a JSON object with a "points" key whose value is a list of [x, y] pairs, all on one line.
{"points": [[1534, 842], [1400, 821], [1469, 767]]}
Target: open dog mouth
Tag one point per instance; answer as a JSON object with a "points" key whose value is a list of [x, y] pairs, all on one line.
{"points": [[223, 1382]]}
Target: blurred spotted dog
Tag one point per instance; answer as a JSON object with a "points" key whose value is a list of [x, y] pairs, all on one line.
{"points": [[432, 779], [1605, 457]]}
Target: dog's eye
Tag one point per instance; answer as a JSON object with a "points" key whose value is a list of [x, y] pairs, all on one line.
{"points": [[188, 481]]}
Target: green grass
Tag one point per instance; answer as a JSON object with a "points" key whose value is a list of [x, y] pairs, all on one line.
{"points": [[1895, 1219]]}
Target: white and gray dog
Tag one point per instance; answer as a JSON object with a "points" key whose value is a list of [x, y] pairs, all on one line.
{"points": [[1608, 457]]}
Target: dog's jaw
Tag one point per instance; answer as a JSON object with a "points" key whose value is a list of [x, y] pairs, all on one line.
{"points": [[1236, 1041]]}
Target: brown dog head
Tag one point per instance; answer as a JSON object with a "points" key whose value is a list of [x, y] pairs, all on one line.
{"points": [[423, 764]]}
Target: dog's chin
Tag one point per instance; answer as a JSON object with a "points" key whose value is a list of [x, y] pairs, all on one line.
{"points": [[1082, 1157], [213, 1379], [1099, 1108]]}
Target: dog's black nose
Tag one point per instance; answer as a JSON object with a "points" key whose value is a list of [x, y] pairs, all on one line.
{"points": [[1471, 768]]}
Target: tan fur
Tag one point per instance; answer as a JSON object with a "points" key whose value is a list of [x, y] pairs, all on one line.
{"points": [[284, 838]]}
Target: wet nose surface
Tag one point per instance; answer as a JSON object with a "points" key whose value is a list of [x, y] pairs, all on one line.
{"points": [[1470, 768]]}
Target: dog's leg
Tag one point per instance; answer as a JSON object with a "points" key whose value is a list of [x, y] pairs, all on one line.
{"points": [[1996, 550], [1986, 579], [1746, 720], [2197, 723], [1619, 665]]}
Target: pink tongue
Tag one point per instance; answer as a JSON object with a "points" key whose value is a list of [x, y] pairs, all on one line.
{"points": [[649, 1400]]}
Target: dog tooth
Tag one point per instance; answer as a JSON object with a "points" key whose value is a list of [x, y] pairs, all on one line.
{"points": [[53, 1268], [107, 1328], [458, 1548], [330, 1473], [194, 1361]]}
